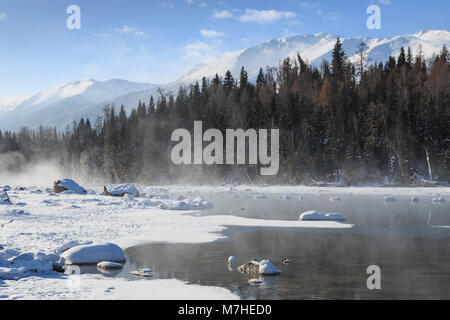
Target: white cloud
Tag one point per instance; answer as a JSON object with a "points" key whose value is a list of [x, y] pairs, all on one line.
{"points": [[211, 33], [189, 2], [202, 4], [2, 16], [265, 16], [130, 30], [387, 2], [201, 52], [224, 14]]}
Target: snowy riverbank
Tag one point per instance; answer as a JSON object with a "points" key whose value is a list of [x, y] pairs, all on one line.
{"points": [[45, 221]]}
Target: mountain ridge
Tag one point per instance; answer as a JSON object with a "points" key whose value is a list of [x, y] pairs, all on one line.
{"points": [[62, 104]]}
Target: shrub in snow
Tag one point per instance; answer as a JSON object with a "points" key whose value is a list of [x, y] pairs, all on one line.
{"points": [[317, 216], [93, 254], [68, 185], [4, 198], [264, 267], [119, 190]]}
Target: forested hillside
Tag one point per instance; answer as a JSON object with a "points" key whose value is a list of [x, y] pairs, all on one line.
{"points": [[346, 123]]}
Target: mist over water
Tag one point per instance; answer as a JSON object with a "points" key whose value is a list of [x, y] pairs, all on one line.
{"points": [[409, 242]]}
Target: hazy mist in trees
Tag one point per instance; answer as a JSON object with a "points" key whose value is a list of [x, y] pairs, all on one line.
{"points": [[344, 122]]}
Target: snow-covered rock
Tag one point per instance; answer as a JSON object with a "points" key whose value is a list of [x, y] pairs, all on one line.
{"points": [[263, 267], [255, 282], [318, 216], [93, 254], [109, 265], [68, 185], [146, 272], [4, 198], [120, 190], [414, 199], [438, 199]]}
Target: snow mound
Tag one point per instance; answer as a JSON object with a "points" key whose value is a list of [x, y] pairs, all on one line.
{"points": [[186, 204], [266, 267], [93, 254], [68, 185], [318, 216], [15, 265], [120, 190]]}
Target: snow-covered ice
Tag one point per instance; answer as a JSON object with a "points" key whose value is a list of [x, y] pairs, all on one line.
{"points": [[318, 216]]}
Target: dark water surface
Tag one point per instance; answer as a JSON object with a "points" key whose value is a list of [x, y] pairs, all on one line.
{"points": [[409, 242]]}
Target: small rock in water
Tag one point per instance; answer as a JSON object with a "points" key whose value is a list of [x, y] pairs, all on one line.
{"points": [[146, 272], [389, 199], [108, 265], [255, 282], [231, 260], [286, 261], [264, 267]]}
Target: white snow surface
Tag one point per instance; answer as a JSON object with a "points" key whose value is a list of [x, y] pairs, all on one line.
{"points": [[53, 223]]}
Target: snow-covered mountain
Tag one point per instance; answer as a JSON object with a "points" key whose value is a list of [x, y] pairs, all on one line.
{"points": [[314, 49], [63, 104]]}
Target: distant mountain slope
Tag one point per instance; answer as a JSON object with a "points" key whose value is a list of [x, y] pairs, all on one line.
{"points": [[58, 105], [63, 104]]}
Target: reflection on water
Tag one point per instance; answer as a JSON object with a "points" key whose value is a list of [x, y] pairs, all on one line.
{"points": [[409, 241]]}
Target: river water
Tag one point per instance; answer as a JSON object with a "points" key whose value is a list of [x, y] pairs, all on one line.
{"points": [[409, 242]]}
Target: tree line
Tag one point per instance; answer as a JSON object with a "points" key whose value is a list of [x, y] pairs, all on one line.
{"points": [[345, 122]]}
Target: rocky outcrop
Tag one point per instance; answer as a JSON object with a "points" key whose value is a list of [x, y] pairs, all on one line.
{"points": [[120, 190], [68, 185]]}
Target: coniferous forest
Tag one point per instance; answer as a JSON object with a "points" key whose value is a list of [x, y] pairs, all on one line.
{"points": [[351, 123]]}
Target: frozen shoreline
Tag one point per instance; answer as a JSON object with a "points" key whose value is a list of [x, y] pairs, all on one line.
{"points": [[45, 221]]}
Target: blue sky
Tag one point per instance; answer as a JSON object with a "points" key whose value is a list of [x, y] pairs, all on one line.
{"points": [[158, 40]]}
